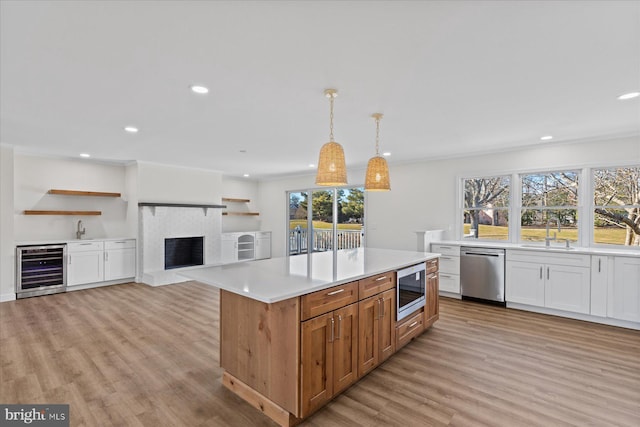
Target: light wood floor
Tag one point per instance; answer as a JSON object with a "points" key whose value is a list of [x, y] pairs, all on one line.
{"points": [[141, 356]]}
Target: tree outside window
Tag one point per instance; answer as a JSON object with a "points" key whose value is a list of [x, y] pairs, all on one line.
{"points": [[616, 200], [486, 208], [549, 199]]}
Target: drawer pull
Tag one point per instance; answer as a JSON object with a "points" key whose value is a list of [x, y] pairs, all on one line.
{"points": [[335, 292], [85, 244], [381, 278], [445, 247], [445, 276], [445, 257], [413, 324]]}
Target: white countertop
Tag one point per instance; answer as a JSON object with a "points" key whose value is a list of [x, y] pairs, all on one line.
{"points": [[58, 241], [533, 247], [277, 279]]}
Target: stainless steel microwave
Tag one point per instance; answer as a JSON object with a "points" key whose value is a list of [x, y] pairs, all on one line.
{"points": [[411, 288]]}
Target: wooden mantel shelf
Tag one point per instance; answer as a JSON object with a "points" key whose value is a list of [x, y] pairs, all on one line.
{"points": [[83, 193], [241, 213], [36, 212], [232, 200]]}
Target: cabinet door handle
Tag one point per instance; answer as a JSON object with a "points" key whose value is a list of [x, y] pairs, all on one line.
{"points": [[69, 259], [413, 324], [379, 316], [339, 327], [599, 264], [381, 278], [540, 273], [382, 305], [332, 329], [335, 292], [106, 256], [547, 273]]}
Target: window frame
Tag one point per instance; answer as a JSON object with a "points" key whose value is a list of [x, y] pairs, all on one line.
{"points": [[585, 206], [461, 208], [310, 191], [593, 206]]}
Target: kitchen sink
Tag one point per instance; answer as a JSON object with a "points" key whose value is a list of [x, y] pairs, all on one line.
{"points": [[557, 248]]}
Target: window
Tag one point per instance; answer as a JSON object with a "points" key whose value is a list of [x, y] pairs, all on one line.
{"points": [[486, 208], [320, 217], [549, 206], [616, 206]]}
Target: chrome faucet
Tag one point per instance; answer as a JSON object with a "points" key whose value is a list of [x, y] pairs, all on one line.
{"points": [[80, 230], [548, 239]]}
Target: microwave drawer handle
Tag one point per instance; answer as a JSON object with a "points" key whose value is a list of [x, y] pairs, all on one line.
{"points": [[381, 278], [335, 292], [413, 324]]}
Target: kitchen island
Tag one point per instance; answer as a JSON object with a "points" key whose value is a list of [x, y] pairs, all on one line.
{"points": [[297, 331]]}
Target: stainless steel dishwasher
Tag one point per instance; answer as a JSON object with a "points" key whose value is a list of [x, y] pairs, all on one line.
{"points": [[482, 273]]}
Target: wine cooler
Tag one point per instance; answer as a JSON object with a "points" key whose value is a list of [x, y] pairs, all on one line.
{"points": [[40, 270]]}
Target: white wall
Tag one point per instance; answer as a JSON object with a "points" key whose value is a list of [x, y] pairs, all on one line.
{"points": [[236, 188], [423, 195], [172, 184], [7, 248], [35, 176]]}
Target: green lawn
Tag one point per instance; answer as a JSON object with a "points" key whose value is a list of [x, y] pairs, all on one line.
{"points": [[604, 235], [322, 225]]}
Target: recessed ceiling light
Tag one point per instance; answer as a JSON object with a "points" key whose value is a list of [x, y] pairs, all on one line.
{"points": [[546, 138], [629, 95], [131, 129], [386, 154], [311, 165], [85, 155], [246, 175], [199, 89]]}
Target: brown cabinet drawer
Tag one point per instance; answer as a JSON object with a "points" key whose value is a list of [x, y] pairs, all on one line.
{"points": [[409, 328], [432, 265], [326, 300], [376, 284]]}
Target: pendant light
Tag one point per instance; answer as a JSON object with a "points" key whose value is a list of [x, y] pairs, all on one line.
{"points": [[377, 177], [332, 169]]}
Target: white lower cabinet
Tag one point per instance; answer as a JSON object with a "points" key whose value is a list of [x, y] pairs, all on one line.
{"points": [[263, 245], [558, 281], [449, 267], [229, 248], [85, 263], [119, 259], [524, 283], [100, 261], [245, 246], [568, 288], [624, 290], [599, 285]]}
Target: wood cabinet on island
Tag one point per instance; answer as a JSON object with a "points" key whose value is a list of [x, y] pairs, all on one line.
{"points": [[297, 331]]}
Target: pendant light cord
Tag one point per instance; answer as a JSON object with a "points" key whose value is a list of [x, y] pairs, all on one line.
{"points": [[331, 118], [377, 137]]}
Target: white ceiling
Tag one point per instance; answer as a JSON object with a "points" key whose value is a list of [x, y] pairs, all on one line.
{"points": [[451, 77]]}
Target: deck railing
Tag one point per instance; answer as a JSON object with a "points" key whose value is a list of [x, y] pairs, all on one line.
{"points": [[322, 240]]}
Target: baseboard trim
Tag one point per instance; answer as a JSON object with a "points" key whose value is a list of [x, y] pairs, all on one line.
{"points": [[577, 316], [7, 297]]}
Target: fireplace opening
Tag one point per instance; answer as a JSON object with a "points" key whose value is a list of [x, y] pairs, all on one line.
{"points": [[183, 252]]}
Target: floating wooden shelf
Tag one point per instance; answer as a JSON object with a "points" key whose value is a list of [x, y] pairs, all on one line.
{"points": [[241, 213], [62, 213], [228, 199], [83, 193]]}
